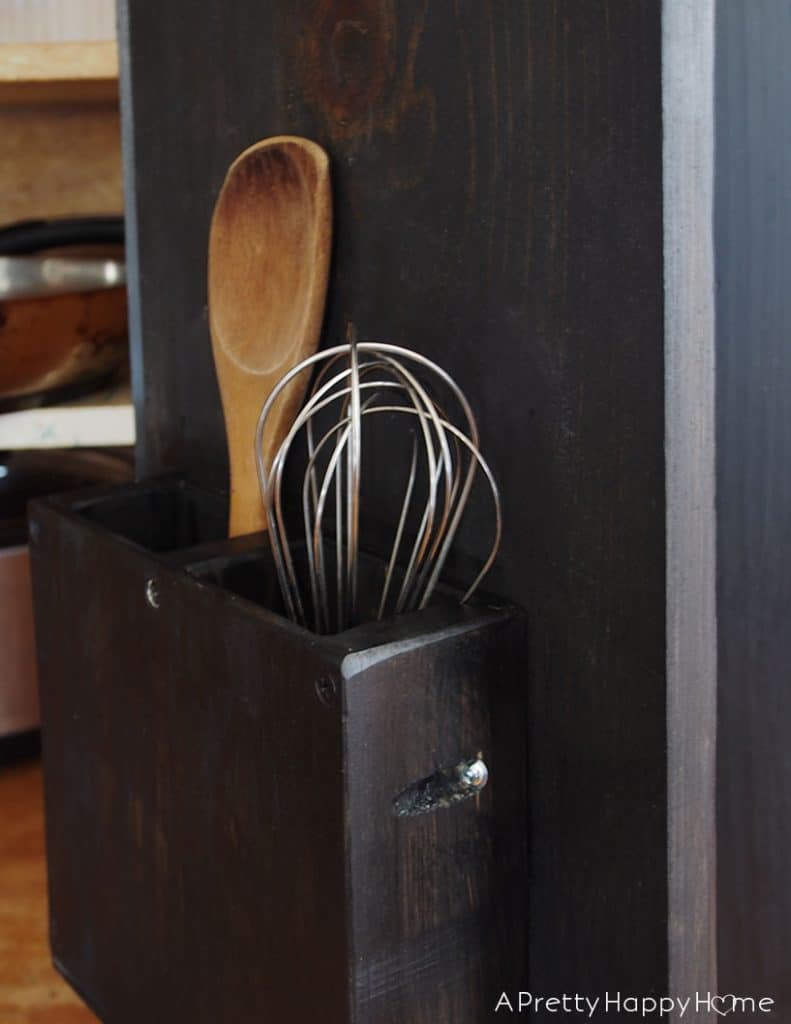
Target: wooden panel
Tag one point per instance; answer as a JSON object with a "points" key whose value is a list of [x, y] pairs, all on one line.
{"points": [[175, 817], [58, 72], [753, 220], [498, 206], [688, 77], [59, 160], [438, 900]]}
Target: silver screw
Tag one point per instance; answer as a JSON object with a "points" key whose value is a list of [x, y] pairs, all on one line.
{"points": [[325, 687], [475, 775], [152, 593]]}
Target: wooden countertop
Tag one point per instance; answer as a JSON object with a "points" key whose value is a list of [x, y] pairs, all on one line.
{"points": [[31, 991]]}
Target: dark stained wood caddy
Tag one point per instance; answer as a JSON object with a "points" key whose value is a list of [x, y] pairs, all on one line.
{"points": [[523, 191], [221, 785]]}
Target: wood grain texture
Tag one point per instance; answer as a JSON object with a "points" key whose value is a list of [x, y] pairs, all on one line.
{"points": [[269, 255], [498, 206], [31, 991], [178, 767], [58, 72], [220, 820], [688, 102], [59, 160], [444, 934], [753, 225]]}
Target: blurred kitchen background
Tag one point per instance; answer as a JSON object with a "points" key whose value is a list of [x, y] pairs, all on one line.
{"points": [[66, 416]]}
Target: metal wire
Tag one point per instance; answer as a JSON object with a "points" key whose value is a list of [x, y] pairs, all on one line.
{"points": [[354, 383]]}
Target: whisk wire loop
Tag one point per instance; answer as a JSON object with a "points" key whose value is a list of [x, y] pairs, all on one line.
{"points": [[355, 383]]}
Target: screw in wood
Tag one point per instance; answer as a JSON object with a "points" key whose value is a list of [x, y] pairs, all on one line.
{"points": [[152, 593], [475, 774], [325, 689]]}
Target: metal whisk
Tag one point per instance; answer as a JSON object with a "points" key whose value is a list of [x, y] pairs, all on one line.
{"points": [[354, 385]]}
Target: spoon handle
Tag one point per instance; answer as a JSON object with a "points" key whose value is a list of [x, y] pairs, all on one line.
{"points": [[269, 254]]}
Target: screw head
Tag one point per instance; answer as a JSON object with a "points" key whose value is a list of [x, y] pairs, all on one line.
{"points": [[475, 774], [152, 593], [325, 688]]}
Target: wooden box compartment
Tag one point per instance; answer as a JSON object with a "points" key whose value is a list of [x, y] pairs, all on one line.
{"points": [[249, 822]]}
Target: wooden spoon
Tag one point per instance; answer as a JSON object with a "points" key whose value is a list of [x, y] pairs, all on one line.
{"points": [[269, 254]]}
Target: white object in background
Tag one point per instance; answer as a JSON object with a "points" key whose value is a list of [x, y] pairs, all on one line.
{"points": [[102, 420], [53, 21]]}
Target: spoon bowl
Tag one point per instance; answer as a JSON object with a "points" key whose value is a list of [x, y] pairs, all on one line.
{"points": [[269, 253]]}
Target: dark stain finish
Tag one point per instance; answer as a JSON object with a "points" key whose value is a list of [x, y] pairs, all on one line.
{"points": [[498, 206], [753, 358], [347, 58], [219, 784]]}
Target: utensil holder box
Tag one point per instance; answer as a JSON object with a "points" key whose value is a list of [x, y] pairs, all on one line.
{"points": [[250, 822]]}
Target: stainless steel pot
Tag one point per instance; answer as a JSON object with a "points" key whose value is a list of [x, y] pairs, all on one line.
{"points": [[32, 277]]}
